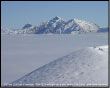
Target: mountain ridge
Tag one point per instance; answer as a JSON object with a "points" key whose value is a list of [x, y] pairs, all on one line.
{"points": [[58, 25]]}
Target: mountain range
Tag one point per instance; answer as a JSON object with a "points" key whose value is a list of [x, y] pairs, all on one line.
{"points": [[58, 25]]}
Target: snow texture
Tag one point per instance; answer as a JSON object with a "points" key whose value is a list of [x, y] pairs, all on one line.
{"points": [[21, 54], [84, 66]]}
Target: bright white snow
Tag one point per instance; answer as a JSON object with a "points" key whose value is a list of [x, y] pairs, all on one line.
{"points": [[58, 25], [22, 54], [84, 66]]}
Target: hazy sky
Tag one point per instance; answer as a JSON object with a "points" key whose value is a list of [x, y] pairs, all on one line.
{"points": [[15, 14]]}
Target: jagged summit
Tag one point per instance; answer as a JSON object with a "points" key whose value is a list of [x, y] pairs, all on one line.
{"points": [[56, 18], [58, 25]]}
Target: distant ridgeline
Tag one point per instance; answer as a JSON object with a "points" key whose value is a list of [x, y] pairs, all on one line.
{"points": [[58, 25]]}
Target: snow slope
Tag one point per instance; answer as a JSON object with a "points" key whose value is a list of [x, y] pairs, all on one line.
{"points": [[84, 66], [58, 25], [38, 50]]}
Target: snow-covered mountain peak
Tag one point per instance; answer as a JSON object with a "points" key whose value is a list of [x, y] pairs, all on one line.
{"points": [[75, 19], [86, 26], [81, 21], [57, 18], [58, 25]]}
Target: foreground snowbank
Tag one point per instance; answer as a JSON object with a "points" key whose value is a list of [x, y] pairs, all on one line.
{"points": [[84, 66]]}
